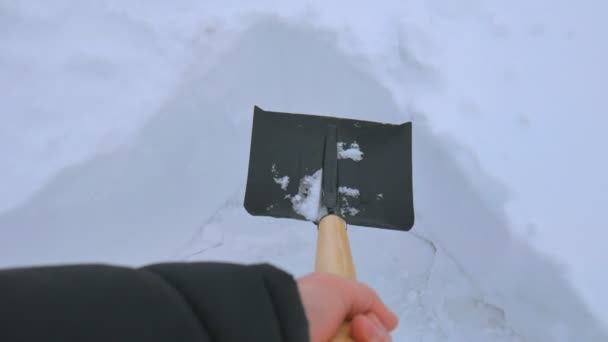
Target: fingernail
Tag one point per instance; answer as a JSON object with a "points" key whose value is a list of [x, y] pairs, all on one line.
{"points": [[378, 333]]}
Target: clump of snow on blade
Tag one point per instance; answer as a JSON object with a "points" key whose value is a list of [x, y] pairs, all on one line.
{"points": [[282, 181], [346, 209], [352, 211], [307, 202], [344, 190], [353, 152]]}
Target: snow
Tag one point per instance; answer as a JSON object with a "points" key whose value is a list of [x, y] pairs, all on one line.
{"points": [[125, 139], [345, 207], [346, 191], [282, 181], [353, 152], [307, 202], [348, 210]]}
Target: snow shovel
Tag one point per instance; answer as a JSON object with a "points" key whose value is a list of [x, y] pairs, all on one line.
{"points": [[334, 172]]}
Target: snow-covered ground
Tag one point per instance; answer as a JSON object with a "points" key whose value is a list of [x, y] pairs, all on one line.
{"points": [[125, 125]]}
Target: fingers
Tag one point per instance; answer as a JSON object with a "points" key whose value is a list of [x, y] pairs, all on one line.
{"points": [[329, 300], [368, 328], [382, 313], [360, 299]]}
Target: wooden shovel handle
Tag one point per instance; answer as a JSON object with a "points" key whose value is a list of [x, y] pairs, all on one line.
{"points": [[334, 256]]}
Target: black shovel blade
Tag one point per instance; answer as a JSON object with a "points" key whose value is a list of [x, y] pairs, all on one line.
{"points": [[375, 187]]}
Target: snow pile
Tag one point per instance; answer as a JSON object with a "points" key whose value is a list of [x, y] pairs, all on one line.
{"points": [[63, 108], [353, 152], [307, 202]]}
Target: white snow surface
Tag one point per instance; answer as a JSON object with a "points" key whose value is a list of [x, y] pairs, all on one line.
{"points": [[125, 128]]}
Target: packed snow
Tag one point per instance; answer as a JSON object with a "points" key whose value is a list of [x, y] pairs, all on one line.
{"points": [[352, 152], [307, 202], [126, 127], [346, 191]]}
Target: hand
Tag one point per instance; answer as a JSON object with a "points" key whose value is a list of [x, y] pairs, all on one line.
{"points": [[330, 300]]}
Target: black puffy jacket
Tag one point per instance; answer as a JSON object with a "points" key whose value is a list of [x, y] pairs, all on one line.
{"points": [[180, 302]]}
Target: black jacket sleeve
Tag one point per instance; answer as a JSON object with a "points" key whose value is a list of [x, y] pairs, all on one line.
{"points": [[185, 302]]}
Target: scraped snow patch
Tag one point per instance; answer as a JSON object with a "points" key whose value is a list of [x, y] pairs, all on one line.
{"points": [[307, 202], [344, 190], [282, 181], [353, 152]]}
